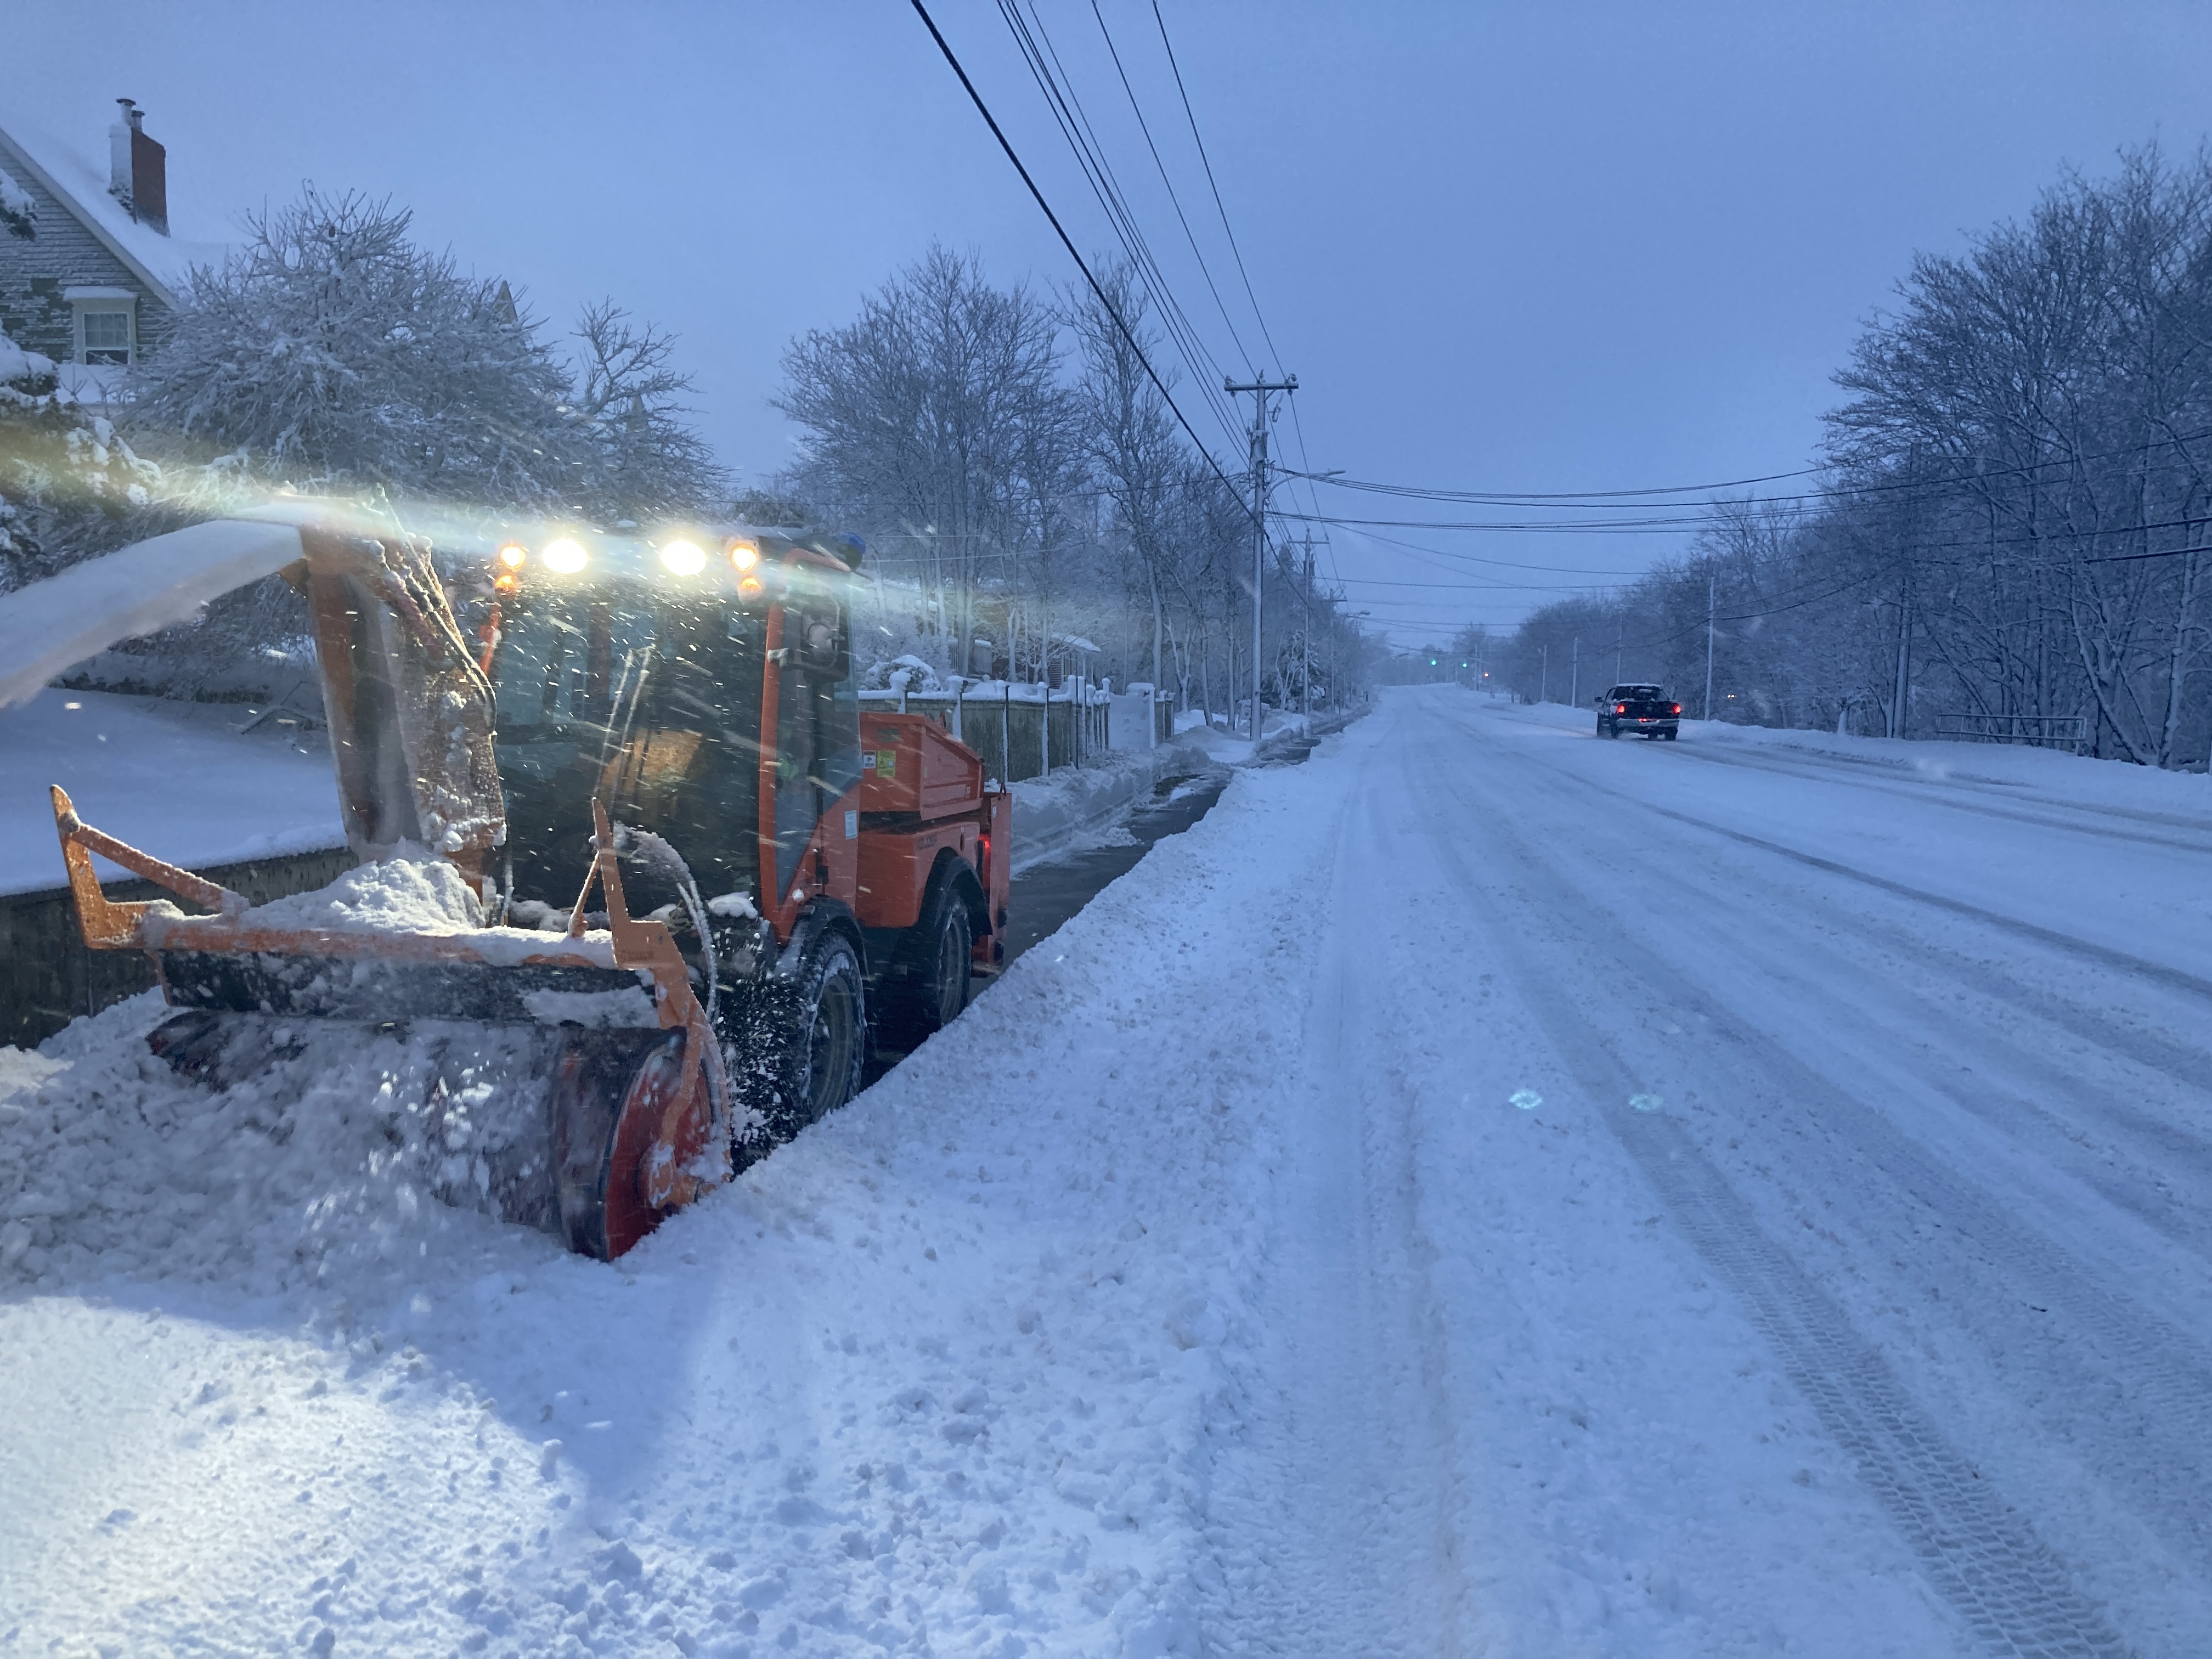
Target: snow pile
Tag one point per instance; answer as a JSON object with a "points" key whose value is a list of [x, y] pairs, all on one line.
{"points": [[416, 891], [1063, 809], [412, 891], [350, 1150], [905, 672]]}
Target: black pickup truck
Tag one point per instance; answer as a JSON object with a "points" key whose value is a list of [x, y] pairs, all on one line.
{"points": [[1643, 709]]}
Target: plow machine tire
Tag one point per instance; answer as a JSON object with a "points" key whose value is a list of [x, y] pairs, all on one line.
{"points": [[610, 1092], [832, 1040], [796, 1044], [929, 985]]}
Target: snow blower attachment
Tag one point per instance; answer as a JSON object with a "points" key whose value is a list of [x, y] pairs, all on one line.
{"points": [[639, 721]]}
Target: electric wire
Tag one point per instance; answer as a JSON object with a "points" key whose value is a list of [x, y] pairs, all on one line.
{"points": [[1569, 501], [1174, 200], [1211, 183], [991, 121], [1034, 44]]}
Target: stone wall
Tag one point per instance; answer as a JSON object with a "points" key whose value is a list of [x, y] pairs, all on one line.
{"points": [[47, 976]]}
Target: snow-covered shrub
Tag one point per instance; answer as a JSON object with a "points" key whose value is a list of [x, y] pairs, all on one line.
{"points": [[904, 672], [69, 485]]}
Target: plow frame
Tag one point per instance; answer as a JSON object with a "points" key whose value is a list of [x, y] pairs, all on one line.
{"points": [[675, 1167]]}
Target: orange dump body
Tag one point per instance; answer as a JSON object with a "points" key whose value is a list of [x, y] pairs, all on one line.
{"points": [[922, 792]]}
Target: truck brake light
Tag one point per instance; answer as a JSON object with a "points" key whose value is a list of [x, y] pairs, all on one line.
{"points": [[1621, 708], [1677, 708]]}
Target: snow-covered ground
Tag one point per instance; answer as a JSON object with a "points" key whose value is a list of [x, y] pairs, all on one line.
{"points": [[1485, 1190], [174, 779]]}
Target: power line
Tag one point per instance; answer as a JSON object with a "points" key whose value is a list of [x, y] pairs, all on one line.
{"points": [[991, 121], [1144, 127], [1569, 501], [1221, 207], [1036, 45], [1207, 161]]}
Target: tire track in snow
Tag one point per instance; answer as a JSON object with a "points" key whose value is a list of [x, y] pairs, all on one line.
{"points": [[2160, 1146], [1981, 1554], [1348, 1463], [2144, 1398]]}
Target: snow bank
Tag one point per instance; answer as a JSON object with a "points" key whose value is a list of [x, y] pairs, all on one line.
{"points": [[1056, 812], [171, 779]]}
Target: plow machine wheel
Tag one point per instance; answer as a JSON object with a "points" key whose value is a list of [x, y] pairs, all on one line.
{"points": [[929, 985], [611, 1093], [832, 1041]]}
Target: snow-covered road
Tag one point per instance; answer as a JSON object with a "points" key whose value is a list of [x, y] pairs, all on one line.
{"points": [[1484, 1191]]}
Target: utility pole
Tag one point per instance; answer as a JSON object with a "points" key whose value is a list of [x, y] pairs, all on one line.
{"points": [[1709, 646], [1620, 646], [1306, 630], [1575, 674], [1544, 684], [1259, 388]]}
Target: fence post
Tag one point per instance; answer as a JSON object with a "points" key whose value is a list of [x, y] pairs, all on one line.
{"points": [[959, 687], [1006, 731]]}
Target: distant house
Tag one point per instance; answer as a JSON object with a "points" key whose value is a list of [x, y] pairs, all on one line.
{"points": [[90, 274]]}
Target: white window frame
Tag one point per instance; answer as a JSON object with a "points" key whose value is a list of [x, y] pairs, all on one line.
{"points": [[103, 301]]}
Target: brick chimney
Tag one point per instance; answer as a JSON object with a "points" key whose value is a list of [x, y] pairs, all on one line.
{"points": [[138, 169]]}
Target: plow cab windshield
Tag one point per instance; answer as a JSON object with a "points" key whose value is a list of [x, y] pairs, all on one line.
{"points": [[656, 703]]}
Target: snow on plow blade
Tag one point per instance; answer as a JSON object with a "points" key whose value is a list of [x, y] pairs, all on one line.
{"points": [[575, 1084]]}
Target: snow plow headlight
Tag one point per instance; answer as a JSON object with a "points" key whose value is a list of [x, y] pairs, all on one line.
{"points": [[744, 556], [514, 556], [682, 558], [564, 555]]}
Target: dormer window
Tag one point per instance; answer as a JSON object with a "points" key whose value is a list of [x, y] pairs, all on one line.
{"points": [[106, 325]]}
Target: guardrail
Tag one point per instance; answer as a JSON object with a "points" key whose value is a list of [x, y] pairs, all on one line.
{"points": [[2043, 731]]}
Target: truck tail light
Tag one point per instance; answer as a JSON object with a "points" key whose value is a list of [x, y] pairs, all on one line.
{"points": [[1677, 708], [1621, 708]]}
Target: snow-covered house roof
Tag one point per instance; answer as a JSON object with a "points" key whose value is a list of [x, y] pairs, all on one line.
{"points": [[87, 277]]}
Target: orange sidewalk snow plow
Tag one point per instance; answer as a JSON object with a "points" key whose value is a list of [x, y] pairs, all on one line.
{"points": [[781, 878]]}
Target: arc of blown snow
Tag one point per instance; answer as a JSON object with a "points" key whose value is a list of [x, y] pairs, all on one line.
{"points": [[51, 625]]}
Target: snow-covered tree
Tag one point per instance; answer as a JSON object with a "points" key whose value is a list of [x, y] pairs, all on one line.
{"points": [[335, 354]]}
